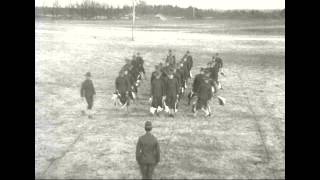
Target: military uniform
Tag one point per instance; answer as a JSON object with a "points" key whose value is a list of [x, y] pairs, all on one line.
{"points": [[147, 154], [219, 62], [204, 95], [189, 62], [198, 80], [87, 91], [123, 87], [171, 60], [172, 90], [185, 74], [140, 64], [157, 92]]}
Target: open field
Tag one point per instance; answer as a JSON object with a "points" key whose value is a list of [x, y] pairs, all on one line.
{"points": [[243, 139]]}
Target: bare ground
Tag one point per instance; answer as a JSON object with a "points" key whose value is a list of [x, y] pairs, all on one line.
{"points": [[243, 139]]}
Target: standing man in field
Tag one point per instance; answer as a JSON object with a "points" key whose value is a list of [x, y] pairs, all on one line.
{"points": [[172, 93], [204, 94], [171, 59], [156, 70], [184, 71], [87, 92], [218, 61], [140, 64], [122, 88], [214, 73], [219, 64], [147, 152], [128, 66], [198, 80], [187, 59], [157, 94]]}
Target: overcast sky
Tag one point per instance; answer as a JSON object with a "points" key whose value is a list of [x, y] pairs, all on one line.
{"points": [[202, 4]]}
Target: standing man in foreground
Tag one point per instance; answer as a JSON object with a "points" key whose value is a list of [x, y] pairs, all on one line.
{"points": [[87, 91], [147, 152]]}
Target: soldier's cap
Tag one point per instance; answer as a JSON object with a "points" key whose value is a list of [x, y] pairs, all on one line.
{"points": [[170, 50], [202, 69], [188, 51], [148, 124], [88, 74]]}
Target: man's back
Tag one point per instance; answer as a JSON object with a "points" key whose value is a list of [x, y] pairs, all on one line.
{"points": [[198, 80], [172, 87], [87, 88], [205, 91], [219, 62], [157, 87], [122, 84], [148, 150]]}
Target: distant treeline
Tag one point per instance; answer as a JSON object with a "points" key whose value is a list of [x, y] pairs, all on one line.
{"points": [[92, 10]]}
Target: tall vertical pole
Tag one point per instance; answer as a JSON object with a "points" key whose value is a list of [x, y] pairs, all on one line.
{"points": [[133, 17], [193, 12]]}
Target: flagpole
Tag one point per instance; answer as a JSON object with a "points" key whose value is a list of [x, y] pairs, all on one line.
{"points": [[133, 17]]}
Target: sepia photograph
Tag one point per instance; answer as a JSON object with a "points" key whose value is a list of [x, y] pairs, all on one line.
{"points": [[159, 89]]}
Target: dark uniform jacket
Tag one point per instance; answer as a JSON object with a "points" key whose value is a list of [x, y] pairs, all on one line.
{"points": [[127, 67], [153, 75], [185, 72], [178, 76], [205, 91], [214, 72], [172, 87], [130, 78], [134, 73], [135, 63], [87, 88], [198, 80], [171, 60], [148, 150], [189, 63], [140, 64], [219, 62], [122, 84], [157, 88]]}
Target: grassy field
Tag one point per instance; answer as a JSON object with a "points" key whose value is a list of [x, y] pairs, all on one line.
{"points": [[243, 139]]}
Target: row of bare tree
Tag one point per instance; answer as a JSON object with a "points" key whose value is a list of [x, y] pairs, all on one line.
{"points": [[90, 9]]}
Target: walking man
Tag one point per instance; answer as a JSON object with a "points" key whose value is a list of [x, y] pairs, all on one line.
{"points": [[140, 63], [172, 93], [87, 92], [187, 59], [204, 95], [122, 88], [147, 152], [157, 94], [198, 80], [171, 59]]}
